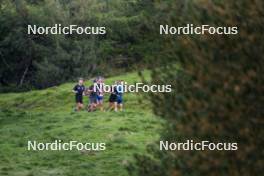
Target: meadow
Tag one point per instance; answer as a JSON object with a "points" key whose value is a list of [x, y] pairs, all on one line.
{"points": [[48, 115]]}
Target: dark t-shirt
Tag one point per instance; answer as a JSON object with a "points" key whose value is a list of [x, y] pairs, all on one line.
{"points": [[79, 88], [92, 93], [113, 95], [114, 91]]}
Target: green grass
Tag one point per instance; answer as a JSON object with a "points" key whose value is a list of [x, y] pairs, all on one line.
{"points": [[47, 115]]}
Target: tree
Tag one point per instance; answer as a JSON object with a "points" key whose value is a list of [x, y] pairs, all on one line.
{"points": [[217, 90]]}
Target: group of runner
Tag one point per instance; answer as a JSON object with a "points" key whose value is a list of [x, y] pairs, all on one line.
{"points": [[96, 95]]}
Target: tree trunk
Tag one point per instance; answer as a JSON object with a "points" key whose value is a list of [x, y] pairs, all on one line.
{"points": [[23, 77]]}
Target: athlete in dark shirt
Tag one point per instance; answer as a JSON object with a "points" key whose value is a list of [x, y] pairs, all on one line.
{"points": [[79, 91], [113, 98], [92, 97]]}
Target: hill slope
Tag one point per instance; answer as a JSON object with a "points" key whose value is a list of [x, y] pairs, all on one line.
{"points": [[47, 115]]}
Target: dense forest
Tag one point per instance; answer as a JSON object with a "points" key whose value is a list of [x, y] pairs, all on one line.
{"points": [[39, 61]]}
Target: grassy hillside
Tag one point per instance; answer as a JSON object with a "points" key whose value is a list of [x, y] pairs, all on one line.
{"points": [[47, 115]]}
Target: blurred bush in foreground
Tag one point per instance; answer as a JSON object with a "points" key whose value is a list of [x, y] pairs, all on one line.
{"points": [[217, 89]]}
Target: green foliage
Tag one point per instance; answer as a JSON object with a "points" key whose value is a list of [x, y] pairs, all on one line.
{"points": [[29, 60], [217, 90]]}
